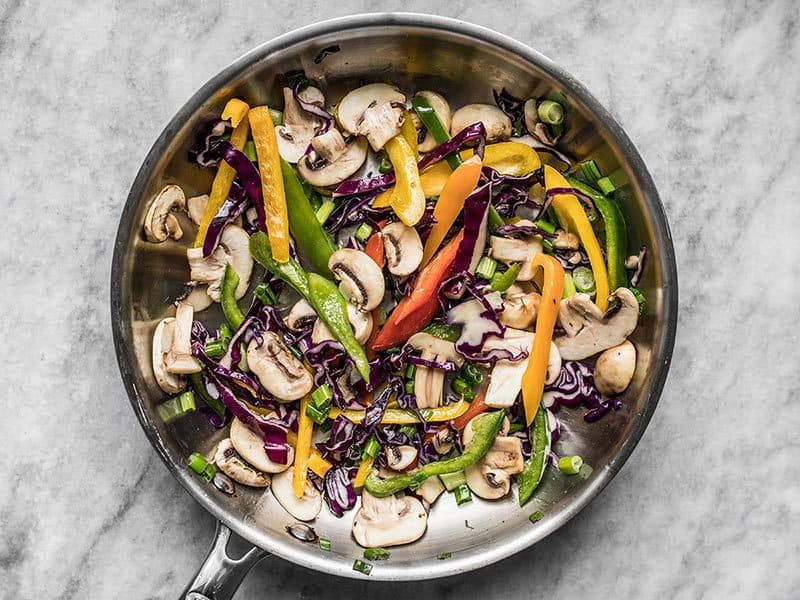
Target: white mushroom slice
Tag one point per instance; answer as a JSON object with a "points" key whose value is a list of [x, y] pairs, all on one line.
{"points": [[360, 321], [389, 521], [566, 241], [509, 251], [196, 206], [298, 127], [379, 124], [179, 359], [303, 509], [441, 108], [360, 278], [234, 466], [352, 107], [588, 331], [333, 173], [490, 478], [400, 458], [614, 369], [159, 222], [403, 248], [300, 316], [250, 447], [279, 371], [428, 382], [162, 343], [430, 490], [234, 248], [519, 307], [443, 440], [496, 122], [329, 145], [198, 298]]}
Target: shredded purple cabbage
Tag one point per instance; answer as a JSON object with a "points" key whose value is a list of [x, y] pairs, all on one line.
{"points": [[208, 136], [354, 211], [511, 105], [476, 212], [234, 205], [338, 490], [575, 387], [313, 109], [446, 365], [374, 413], [524, 231]]}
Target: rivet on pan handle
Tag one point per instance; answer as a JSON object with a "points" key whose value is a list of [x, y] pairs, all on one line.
{"points": [[219, 576]]}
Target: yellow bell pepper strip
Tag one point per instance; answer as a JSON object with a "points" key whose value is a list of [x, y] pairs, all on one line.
{"points": [[269, 165], [536, 371], [509, 158], [408, 200], [459, 185], [570, 213], [222, 180], [409, 133], [235, 110], [302, 451], [364, 469], [399, 416], [316, 463]]}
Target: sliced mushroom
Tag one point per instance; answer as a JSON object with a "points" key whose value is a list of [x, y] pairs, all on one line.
{"points": [[179, 359], [234, 466], [360, 279], [196, 206], [199, 299], [373, 110], [279, 371], [490, 477], [614, 369], [389, 521], [303, 509], [441, 108], [159, 222], [566, 241], [403, 248], [330, 145], [496, 122], [588, 331], [443, 440], [298, 127], [234, 248], [301, 315], [508, 251], [162, 343], [428, 382], [250, 447], [519, 307], [326, 173], [400, 458], [430, 490], [360, 321], [535, 126]]}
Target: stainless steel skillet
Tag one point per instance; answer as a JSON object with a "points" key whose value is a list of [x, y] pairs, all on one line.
{"points": [[465, 63]]}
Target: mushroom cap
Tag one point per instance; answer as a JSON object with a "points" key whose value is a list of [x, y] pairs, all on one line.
{"points": [[360, 278], [614, 369], [352, 107], [490, 478], [429, 382], [588, 331], [329, 145], [279, 371], [179, 359], [162, 343], [389, 521], [234, 248], [430, 490], [196, 206], [380, 123], [496, 122], [301, 315], [441, 107], [303, 509], [336, 172], [403, 248], [230, 463], [298, 127], [400, 458], [199, 298], [444, 349], [250, 447], [519, 307], [159, 222], [508, 251]]}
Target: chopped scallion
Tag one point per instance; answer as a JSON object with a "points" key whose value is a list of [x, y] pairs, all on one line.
{"points": [[408, 430], [225, 332], [216, 348], [569, 286], [324, 211], [471, 374], [486, 268], [462, 494], [362, 567], [250, 150], [410, 386], [537, 516], [570, 465], [550, 112], [411, 369], [452, 480], [277, 116], [545, 225], [318, 415], [177, 407], [502, 281], [591, 171], [548, 246], [324, 544], [606, 185], [583, 278], [198, 463], [443, 555], [640, 298], [460, 386], [385, 164], [322, 395], [363, 232], [265, 294], [371, 448], [516, 428], [376, 554]]}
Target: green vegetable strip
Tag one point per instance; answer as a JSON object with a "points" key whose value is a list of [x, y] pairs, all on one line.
{"points": [[230, 307], [616, 233], [531, 475], [312, 240], [485, 428], [200, 390], [502, 281], [451, 333], [291, 272]]}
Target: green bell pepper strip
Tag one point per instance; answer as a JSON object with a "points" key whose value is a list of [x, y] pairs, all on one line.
{"points": [[312, 240], [322, 294], [485, 428], [438, 329], [616, 233], [200, 390], [500, 282], [428, 117], [230, 307], [533, 471]]}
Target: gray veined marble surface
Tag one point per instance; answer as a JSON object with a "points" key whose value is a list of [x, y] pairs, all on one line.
{"points": [[709, 504]]}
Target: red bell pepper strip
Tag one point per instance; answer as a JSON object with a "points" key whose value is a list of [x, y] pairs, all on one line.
{"points": [[477, 407]]}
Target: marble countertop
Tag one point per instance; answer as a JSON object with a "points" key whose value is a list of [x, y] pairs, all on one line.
{"points": [[708, 505]]}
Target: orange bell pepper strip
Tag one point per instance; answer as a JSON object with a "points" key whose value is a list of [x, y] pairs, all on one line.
{"points": [[408, 200], [269, 165], [374, 247], [476, 407], [417, 309], [316, 463], [509, 158], [536, 371], [450, 203], [302, 451], [236, 110], [225, 173], [570, 213]]}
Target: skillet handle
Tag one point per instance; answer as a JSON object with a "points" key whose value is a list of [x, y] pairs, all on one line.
{"points": [[220, 575]]}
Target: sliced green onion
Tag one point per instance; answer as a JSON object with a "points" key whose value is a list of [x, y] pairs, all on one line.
{"points": [[452, 480], [318, 415], [606, 185], [516, 428], [557, 130], [460, 386], [411, 369], [325, 544], [550, 112], [277, 116], [571, 465], [502, 281], [324, 211], [225, 332], [486, 268], [250, 150], [569, 287], [640, 298], [537, 516], [376, 554], [198, 463], [362, 567], [385, 165], [495, 220], [545, 225], [548, 246], [265, 294], [471, 374], [426, 414], [410, 386], [371, 448], [322, 396], [215, 348], [443, 555], [176, 407], [583, 278], [591, 171], [462, 494], [363, 232], [408, 430]]}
